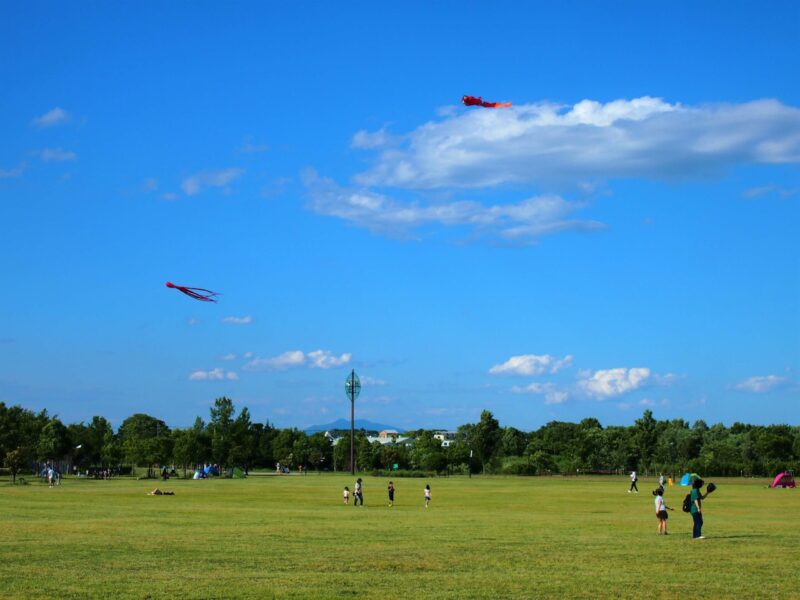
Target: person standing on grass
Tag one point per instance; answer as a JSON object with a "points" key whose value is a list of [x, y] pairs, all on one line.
{"points": [[346, 495], [390, 489], [358, 493], [661, 510], [634, 479], [427, 495], [697, 511]]}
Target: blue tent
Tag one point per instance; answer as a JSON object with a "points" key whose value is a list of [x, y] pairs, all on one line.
{"points": [[210, 470]]}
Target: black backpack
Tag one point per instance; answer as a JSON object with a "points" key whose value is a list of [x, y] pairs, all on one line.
{"points": [[687, 503]]}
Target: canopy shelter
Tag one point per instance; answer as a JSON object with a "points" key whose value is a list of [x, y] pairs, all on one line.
{"points": [[688, 478], [784, 480]]}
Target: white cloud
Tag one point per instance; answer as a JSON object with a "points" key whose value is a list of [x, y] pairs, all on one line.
{"points": [[367, 380], [229, 356], [530, 218], [614, 382], [293, 358], [213, 375], [212, 178], [169, 196], [56, 116], [642, 137], [57, 154], [531, 364], [760, 384], [322, 359], [150, 184], [552, 395], [246, 320], [15, 172], [318, 359]]}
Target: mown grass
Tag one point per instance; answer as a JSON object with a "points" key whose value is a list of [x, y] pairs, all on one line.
{"points": [[485, 537]]}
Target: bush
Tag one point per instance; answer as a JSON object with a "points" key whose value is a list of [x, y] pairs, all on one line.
{"points": [[402, 473], [517, 466]]}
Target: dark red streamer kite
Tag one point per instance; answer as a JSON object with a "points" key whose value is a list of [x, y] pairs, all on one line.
{"points": [[196, 293], [473, 101]]}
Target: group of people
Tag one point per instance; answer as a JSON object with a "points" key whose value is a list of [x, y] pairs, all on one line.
{"points": [[696, 498], [358, 494]]}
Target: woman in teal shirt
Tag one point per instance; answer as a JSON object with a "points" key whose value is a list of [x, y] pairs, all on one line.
{"points": [[697, 512]]}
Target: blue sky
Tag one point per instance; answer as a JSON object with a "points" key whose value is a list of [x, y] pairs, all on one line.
{"points": [[624, 237]]}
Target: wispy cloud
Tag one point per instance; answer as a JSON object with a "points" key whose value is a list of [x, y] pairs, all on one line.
{"points": [[530, 218], [246, 320], [249, 146], [770, 190], [150, 184], [56, 116], [219, 178], [641, 137], [56, 154], [318, 359], [14, 172], [377, 139], [227, 357], [613, 382], [531, 364], [213, 375], [552, 394], [761, 383]]}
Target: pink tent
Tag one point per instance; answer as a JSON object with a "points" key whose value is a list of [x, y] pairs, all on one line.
{"points": [[784, 480]]}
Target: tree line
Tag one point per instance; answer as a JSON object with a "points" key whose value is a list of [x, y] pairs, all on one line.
{"points": [[29, 439]]}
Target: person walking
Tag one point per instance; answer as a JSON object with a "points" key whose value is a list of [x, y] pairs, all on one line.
{"points": [[390, 489], [346, 495], [697, 509], [358, 493], [634, 479], [427, 495]]}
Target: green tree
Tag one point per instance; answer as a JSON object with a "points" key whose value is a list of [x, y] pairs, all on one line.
{"points": [[486, 438], [221, 425], [15, 461], [54, 442], [145, 440]]}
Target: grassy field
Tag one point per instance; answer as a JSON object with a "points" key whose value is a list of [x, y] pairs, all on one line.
{"points": [[485, 537]]}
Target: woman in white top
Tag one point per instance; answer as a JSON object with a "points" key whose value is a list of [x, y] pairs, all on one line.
{"points": [[661, 511]]}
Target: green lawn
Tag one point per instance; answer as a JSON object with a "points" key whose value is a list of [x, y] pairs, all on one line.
{"points": [[485, 537]]}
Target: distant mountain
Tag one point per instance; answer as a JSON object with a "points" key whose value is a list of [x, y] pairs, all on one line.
{"points": [[345, 424]]}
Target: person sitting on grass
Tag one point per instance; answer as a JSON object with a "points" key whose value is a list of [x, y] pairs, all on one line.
{"points": [[158, 492]]}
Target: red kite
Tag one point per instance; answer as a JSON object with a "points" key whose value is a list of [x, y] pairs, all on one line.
{"points": [[473, 101], [196, 293]]}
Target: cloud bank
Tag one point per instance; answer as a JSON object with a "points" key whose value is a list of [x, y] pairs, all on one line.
{"points": [[532, 217], [530, 143]]}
